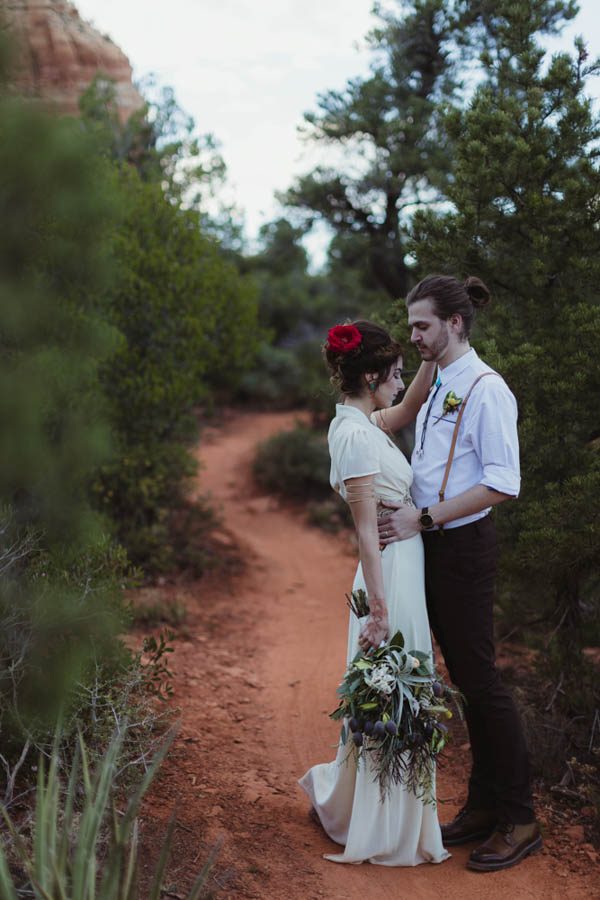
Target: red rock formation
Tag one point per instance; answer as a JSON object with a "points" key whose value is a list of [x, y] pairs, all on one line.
{"points": [[59, 54]]}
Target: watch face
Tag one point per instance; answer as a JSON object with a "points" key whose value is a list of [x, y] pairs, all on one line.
{"points": [[426, 520]]}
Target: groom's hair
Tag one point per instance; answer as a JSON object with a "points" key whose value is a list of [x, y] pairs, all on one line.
{"points": [[450, 297]]}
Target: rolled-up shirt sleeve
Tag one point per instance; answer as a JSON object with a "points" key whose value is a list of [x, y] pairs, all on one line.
{"points": [[495, 438]]}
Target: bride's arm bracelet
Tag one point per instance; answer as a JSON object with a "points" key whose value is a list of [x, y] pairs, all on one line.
{"points": [[360, 494], [355, 493]]}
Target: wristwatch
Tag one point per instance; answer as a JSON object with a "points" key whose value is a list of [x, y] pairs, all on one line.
{"points": [[426, 519]]}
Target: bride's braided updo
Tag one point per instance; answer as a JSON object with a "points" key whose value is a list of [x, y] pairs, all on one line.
{"points": [[374, 352]]}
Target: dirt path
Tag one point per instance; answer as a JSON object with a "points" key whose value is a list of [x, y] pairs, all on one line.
{"points": [[256, 666]]}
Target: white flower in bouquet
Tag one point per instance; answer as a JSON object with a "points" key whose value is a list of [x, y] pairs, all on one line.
{"points": [[381, 679]]}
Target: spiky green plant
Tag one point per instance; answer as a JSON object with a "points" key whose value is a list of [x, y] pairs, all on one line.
{"points": [[88, 850]]}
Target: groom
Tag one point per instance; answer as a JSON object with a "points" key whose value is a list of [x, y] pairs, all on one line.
{"points": [[460, 558]]}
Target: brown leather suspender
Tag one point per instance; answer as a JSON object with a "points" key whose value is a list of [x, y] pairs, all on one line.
{"points": [[442, 490]]}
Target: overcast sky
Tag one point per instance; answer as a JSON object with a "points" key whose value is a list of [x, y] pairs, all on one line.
{"points": [[246, 70]]}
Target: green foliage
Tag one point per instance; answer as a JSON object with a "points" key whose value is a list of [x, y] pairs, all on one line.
{"points": [[188, 325], [156, 668], [152, 606], [185, 316], [85, 847], [330, 515], [275, 380], [58, 621], [295, 309], [290, 377], [386, 128], [526, 219], [55, 209], [161, 143], [561, 734], [294, 464], [295, 306], [61, 577], [61, 574], [76, 298]]}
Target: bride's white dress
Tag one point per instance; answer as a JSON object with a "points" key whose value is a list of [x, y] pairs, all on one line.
{"points": [[401, 830]]}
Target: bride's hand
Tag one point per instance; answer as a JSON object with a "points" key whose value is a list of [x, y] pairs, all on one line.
{"points": [[376, 628]]}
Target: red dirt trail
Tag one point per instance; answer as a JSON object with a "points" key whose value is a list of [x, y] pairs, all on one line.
{"points": [[256, 665]]}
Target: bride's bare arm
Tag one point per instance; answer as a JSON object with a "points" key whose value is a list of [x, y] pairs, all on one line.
{"points": [[404, 413], [361, 497]]}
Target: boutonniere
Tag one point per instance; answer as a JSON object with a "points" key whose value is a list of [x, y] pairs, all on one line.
{"points": [[451, 403]]}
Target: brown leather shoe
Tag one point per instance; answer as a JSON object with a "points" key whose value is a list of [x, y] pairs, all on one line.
{"points": [[507, 846], [469, 825]]}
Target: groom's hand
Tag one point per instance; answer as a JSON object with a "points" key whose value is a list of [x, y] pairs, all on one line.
{"points": [[401, 524]]}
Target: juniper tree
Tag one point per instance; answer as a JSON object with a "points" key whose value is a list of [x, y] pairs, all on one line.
{"points": [[526, 218], [385, 127]]}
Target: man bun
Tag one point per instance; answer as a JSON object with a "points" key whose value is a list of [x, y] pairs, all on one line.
{"points": [[479, 294], [450, 297]]}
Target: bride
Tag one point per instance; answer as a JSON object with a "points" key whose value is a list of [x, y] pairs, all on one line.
{"points": [[367, 467]]}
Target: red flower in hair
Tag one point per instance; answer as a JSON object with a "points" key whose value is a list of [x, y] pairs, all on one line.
{"points": [[344, 338]]}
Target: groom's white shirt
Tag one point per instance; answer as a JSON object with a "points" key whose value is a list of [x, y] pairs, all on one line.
{"points": [[487, 449]]}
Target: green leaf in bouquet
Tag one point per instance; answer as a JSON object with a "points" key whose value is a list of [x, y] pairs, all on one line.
{"points": [[363, 664], [397, 641], [344, 735], [369, 705], [438, 741]]}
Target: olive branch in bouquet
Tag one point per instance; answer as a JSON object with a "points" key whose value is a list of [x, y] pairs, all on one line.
{"points": [[394, 710]]}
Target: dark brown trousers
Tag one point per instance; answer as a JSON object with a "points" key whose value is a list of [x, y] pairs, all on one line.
{"points": [[460, 573]]}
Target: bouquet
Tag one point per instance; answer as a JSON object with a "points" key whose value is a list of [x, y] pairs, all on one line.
{"points": [[393, 707]]}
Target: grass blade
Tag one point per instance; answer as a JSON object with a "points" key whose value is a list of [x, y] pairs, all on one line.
{"points": [[131, 870], [162, 862], [7, 885], [200, 882], [96, 803]]}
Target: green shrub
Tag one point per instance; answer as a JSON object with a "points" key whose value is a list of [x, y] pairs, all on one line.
{"points": [[274, 381], [288, 378], [61, 573], [295, 464], [330, 515], [317, 394], [186, 317], [187, 322], [61, 576], [152, 607], [60, 658]]}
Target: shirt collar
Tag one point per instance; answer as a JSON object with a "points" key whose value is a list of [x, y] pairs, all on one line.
{"points": [[459, 365]]}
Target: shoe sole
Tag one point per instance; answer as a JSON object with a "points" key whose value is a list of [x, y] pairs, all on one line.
{"points": [[495, 867], [467, 839]]}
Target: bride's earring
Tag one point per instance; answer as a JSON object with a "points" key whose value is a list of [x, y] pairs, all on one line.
{"points": [[372, 386]]}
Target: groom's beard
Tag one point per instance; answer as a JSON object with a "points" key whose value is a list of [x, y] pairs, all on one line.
{"points": [[436, 350]]}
